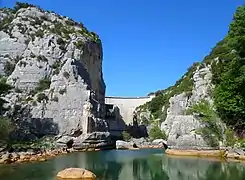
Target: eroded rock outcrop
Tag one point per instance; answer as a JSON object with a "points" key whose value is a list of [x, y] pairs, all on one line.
{"points": [[55, 67], [183, 129]]}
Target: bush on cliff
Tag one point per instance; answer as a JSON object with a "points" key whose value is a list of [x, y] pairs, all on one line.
{"points": [[162, 97], [126, 136], [5, 123], [227, 60], [212, 131], [156, 133], [229, 73], [6, 127]]}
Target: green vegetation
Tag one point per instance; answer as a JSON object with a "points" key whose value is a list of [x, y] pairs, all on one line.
{"points": [[185, 84], [39, 33], [126, 136], [8, 68], [227, 60], [79, 44], [4, 89], [231, 139], [56, 67], [42, 58], [156, 133], [43, 84], [6, 125], [20, 5], [212, 131], [4, 24], [41, 97], [229, 71]]}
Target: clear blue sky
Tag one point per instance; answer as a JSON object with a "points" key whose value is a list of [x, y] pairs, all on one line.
{"points": [[148, 44]]}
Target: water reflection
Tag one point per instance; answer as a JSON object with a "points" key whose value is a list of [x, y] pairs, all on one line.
{"points": [[128, 165], [179, 168]]}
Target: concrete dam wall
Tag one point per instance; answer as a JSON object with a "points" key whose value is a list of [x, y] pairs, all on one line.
{"points": [[127, 105]]}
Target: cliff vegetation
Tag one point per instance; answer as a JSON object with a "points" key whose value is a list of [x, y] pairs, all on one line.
{"points": [[227, 62]]}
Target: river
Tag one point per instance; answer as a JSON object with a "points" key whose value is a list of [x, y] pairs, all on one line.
{"points": [[147, 164]]}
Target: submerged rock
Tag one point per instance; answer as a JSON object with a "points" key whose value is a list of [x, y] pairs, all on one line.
{"points": [[76, 173]]}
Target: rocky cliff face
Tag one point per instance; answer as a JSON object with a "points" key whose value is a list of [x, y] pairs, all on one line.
{"points": [[209, 99], [55, 67], [182, 128]]}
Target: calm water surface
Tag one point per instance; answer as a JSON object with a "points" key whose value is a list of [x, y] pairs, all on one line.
{"points": [[148, 164]]}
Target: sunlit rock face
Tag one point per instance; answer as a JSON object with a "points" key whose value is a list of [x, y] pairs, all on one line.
{"points": [[55, 67]]}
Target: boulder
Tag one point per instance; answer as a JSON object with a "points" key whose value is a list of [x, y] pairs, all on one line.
{"points": [[159, 142], [123, 144], [76, 173]]}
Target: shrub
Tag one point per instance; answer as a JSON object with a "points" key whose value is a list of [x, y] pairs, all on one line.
{"points": [[42, 58], [27, 41], [34, 103], [6, 127], [230, 138], [56, 71], [43, 84], [22, 63], [4, 89], [56, 65], [18, 90], [204, 112], [8, 68], [41, 96], [39, 33], [156, 133], [79, 44], [4, 24], [126, 136], [61, 42], [66, 75], [20, 5], [62, 91]]}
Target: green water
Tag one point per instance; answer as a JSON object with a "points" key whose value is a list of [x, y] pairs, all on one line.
{"points": [[148, 164]]}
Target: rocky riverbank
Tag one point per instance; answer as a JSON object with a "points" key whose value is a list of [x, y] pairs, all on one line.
{"points": [[29, 153], [227, 154], [21, 157]]}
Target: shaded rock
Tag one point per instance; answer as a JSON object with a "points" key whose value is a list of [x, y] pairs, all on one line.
{"points": [[76, 173], [64, 140]]}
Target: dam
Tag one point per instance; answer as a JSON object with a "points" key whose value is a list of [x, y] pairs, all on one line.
{"points": [[120, 111]]}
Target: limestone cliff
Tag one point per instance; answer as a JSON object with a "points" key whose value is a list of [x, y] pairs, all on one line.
{"points": [[205, 108], [173, 103], [55, 67]]}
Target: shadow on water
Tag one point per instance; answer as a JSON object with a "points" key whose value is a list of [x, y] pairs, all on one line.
{"points": [[128, 165]]}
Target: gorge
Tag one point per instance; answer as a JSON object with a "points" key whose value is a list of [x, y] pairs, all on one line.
{"points": [[53, 92]]}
